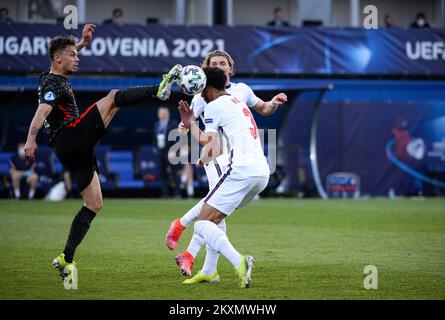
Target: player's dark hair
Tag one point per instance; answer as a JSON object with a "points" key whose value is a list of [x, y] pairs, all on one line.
{"points": [[216, 78], [59, 43]]}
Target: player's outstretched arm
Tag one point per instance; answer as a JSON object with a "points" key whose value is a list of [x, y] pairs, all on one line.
{"points": [[87, 36], [36, 124], [267, 108]]}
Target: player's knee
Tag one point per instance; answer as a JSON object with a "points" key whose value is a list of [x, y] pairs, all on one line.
{"points": [[95, 205], [111, 97], [112, 94], [98, 205]]}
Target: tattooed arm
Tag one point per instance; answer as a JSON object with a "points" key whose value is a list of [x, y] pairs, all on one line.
{"points": [[36, 124]]}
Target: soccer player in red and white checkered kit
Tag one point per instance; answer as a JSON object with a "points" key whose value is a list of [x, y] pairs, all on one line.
{"points": [[74, 135]]}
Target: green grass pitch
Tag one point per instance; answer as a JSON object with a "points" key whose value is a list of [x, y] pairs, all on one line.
{"points": [[305, 249]]}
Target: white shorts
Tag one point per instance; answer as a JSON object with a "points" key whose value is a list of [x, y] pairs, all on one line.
{"points": [[230, 194], [214, 171]]}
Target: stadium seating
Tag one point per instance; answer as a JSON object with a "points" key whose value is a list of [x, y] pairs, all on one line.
{"points": [[121, 163], [45, 168], [147, 160], [102, 158], [106, 178]]}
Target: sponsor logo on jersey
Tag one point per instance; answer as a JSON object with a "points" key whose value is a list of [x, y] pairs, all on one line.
{"points": [[208, 120]]}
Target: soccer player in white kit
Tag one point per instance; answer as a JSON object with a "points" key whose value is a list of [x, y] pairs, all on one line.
{"points": [[214, 169], [247, 172]]}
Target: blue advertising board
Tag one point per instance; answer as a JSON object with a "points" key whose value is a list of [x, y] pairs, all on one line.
{"points": [[256, 50]]}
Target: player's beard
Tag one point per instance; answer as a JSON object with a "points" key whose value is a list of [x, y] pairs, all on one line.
{"points": [[73, 69]]}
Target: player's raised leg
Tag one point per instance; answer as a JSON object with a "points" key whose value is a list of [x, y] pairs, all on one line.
{"points": [[115, 99], [178, 226]]}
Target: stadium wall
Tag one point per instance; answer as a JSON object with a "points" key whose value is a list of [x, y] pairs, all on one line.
{"points": [[391, 134]]}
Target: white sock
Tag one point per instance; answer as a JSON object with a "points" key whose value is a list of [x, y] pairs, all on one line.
{"points": [[212, 256], [210, 262], [17, 192], [195, 244], [192, 214], [31, 193], [217, 239]]}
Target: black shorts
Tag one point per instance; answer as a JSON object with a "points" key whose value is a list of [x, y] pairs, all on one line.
{"points": [[74, 145]]}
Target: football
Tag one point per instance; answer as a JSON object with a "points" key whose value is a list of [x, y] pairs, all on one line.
{"points": [[192, 80]]}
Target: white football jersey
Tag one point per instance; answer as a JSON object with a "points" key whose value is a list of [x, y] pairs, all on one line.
{"points": [[240, 90], [246, 156]]}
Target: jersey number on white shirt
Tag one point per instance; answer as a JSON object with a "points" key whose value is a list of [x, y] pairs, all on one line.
{"points": [[247, 113]]}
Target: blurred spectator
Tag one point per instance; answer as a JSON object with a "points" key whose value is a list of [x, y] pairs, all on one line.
{"points": [[388, 21], [34, 11], [68, 181], [186, 174], [161, 130], [117, 18], [187, 180], [402, 138], [4, 16], [62, 189], [278, 20], [22, 169], [420, 21]]}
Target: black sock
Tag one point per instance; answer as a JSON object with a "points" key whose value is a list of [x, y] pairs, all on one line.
{"points": [[79, 228], [134, 95]]}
